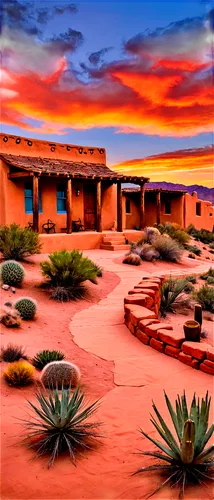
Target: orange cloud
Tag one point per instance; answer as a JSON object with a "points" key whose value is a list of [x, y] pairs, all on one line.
{"points": [[188, 166]]}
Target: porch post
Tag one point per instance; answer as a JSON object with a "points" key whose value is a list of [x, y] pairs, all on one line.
{"points": [[119, 207], [35, 203], [142, 207], [158, 206], [69, 206], [98, 207]]}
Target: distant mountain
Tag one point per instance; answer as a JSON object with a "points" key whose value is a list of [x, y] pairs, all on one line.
{"points": [[204, 193]]}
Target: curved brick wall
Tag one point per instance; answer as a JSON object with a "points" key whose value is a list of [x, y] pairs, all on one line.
{"points": [[141, 308]]}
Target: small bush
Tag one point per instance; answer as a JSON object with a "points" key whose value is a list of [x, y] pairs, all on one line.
{"points": [[202, 235], [170, 291], [42, 358], [191, 278], [17, 243], [193, 249], [10, 318], [209, 274], [210, 280], [168, 248], [69, 270], [12, 353], [58, 374], [67, 428], [205, 297], [12, 273], [151, 233], [132, 259], [26, 307], [19, 373], [175, 232], [149, 253]]}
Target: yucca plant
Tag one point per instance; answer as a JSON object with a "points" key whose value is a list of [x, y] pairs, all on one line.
{"points": [[61, 424], [17, 243], [187, 459], [170, 291], [42, 358]]}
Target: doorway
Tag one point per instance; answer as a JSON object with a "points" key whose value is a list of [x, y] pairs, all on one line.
{"points": [[90, 207]]}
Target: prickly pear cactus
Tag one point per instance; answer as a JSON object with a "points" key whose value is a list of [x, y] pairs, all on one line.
{"points": [[26, 307], [12, 273]]}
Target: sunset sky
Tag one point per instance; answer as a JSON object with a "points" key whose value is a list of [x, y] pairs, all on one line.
{"points": [[134, 77]]}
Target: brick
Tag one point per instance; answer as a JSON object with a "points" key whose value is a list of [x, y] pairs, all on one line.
{"points": [[210, 353], [209, 363], [156, 344], [140, 299], [185, 358], [172, 338], [142, 337], [196, 349], [195, 364], [153, 279], [145, 322], [139, 313], [148, 291], [131, 327], [206, 369], [153, 330], [171, 351], [153, 286]]}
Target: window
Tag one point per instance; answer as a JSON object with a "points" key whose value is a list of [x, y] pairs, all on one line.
{"points": [[198, 208], [128, 206], [167, 207], [28, 190], [61, 199]]}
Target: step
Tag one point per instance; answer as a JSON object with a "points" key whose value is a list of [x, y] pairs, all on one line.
{"points": [[113, 234], [114, 241], [114, 247]]}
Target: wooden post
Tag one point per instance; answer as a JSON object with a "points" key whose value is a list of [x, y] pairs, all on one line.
{"points": [[69, 206], [142, 207], [98, 208], [35, 203], [119, 207], [184, 211], [158, 206]]}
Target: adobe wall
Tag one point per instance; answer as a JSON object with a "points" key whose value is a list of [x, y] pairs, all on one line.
{"points": [[109, 206], [16, 145], [205, 220], [132, 220]]}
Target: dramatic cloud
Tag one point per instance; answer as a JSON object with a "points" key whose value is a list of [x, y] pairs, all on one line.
{"points": [[186, 165], [162, 86]]}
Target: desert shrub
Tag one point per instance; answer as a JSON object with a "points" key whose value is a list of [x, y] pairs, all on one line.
{"points": [[26, 307], [168, 248], [58, 374], [60, 424], [193, 249], [188, 288], [210, 280], [69, 270], [191, 278], [42, 358], [12, 353], [98, 269], [202, 235], [175, 232], [12, 273], [208, 274], [149, 253], [150, 234], [170, 291], [211, 245], [185, 457], [17, 243], [10, 317], [205, 297], [19, 373], [132, 259]]}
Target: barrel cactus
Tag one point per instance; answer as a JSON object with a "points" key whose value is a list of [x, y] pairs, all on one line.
{"points": [[12, 273], [58, 374], [26, 307]]}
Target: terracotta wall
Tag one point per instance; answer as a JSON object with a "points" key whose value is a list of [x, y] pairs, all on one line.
{"points": [[109, 205], [132, 220], [177, 209], [16, 145], [205, 220]]}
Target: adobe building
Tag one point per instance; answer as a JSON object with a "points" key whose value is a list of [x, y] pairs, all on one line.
{"points": [[162, 205]]}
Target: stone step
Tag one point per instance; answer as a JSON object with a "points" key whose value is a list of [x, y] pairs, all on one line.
{"points": [[114, 241], [113, 247]]}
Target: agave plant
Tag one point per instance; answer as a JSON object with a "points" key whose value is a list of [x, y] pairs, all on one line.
{"points": [[61, 425], [188, 461], [170, 291]]}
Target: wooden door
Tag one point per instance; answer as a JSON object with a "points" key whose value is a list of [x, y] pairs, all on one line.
{"points": [[90, 207]]}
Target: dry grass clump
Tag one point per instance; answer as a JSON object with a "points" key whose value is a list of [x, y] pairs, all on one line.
{"points": [[19, 373]]}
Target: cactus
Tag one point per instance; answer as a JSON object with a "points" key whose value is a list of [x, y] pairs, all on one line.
{"points": [[198, 314], [12, 273], [58, 374], [26, 307], [10, 317], [19, 373], [132, 259]]}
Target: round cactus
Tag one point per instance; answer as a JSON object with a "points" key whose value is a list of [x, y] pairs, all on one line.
{"points": [[58, 374], [26, 307], [12, 273]]}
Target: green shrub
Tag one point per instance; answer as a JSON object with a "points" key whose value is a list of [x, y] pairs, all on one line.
{"points": [[209, 274], [69, 270], [191, 278], [26, 307], [19, 373], [58, 374], [193, 249], [12, 353], [12, 273], [17, 243], [132, 259], [205, 297], [185, 457], [210, 280], [175, 232], [170, 291], [202, 235], [61, 420], [42, 358], [168, 248]]}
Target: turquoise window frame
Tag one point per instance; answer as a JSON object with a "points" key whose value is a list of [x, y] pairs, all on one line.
{"points": [[28, 195], [61, 198]]}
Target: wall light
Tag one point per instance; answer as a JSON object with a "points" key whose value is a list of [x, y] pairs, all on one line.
{"points": [[77, 192]]}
